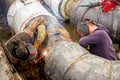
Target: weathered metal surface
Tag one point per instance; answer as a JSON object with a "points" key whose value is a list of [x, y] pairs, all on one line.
{"points": [[66, 60], [72, 9], [19, 13], [69, 61], [61, 8]]}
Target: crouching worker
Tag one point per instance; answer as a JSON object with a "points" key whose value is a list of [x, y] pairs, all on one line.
{"points": [[97, 38], [21, 45]]}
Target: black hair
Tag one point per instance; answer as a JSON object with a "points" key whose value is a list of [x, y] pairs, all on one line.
{"points": [[83, 28]]}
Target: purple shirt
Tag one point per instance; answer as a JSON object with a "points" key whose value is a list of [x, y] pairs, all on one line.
{"points": [[100, 43]]}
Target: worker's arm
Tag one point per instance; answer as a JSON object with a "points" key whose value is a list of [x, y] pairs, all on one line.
{"points": [[33, 26], [94, 38]]}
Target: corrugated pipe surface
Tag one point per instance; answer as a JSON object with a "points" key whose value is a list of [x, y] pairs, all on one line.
{"points": [[110, 19]]}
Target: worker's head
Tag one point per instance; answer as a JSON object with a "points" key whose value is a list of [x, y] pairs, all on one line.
{"points": [[86, 27], [25, 51]]}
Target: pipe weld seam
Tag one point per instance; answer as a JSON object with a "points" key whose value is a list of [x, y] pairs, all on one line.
{"points": [[80, 58]]}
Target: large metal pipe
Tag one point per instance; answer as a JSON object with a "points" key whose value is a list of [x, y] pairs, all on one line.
{"points": [[18, 17], [110, 19], [61, 8], [71, 9], [67, 60]]}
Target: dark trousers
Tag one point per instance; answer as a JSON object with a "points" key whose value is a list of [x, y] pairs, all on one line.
{"points": [[3, 13]]}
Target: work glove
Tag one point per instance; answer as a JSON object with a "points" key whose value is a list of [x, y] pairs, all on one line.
{"points": [[33, 26]]}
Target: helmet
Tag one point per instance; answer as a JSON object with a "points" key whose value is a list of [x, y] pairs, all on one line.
{"points": [[83, 29], [25, 51]]}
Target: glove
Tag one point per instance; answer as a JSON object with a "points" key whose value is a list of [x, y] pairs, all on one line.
{"points": [[108, 5], [33, 26]]}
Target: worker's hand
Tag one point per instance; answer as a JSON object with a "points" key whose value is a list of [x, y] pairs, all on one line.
{"points": [[36, 23], [33, 26]]}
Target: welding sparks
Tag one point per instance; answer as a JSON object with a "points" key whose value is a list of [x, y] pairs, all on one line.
{"points": [[45, 53]]}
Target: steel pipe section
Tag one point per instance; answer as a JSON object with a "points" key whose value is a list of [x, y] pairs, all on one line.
{"points": [[61, 8], [65, 60], [110, 19], [54, 5], [22, 11], [69, 61]]}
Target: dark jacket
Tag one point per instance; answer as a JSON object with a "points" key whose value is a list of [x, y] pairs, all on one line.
{"points": [[100, 43], [3, 13]]}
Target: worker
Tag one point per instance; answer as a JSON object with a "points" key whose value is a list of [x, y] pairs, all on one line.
{"points": [[21, 45], [3, 13], [97, 39]]}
